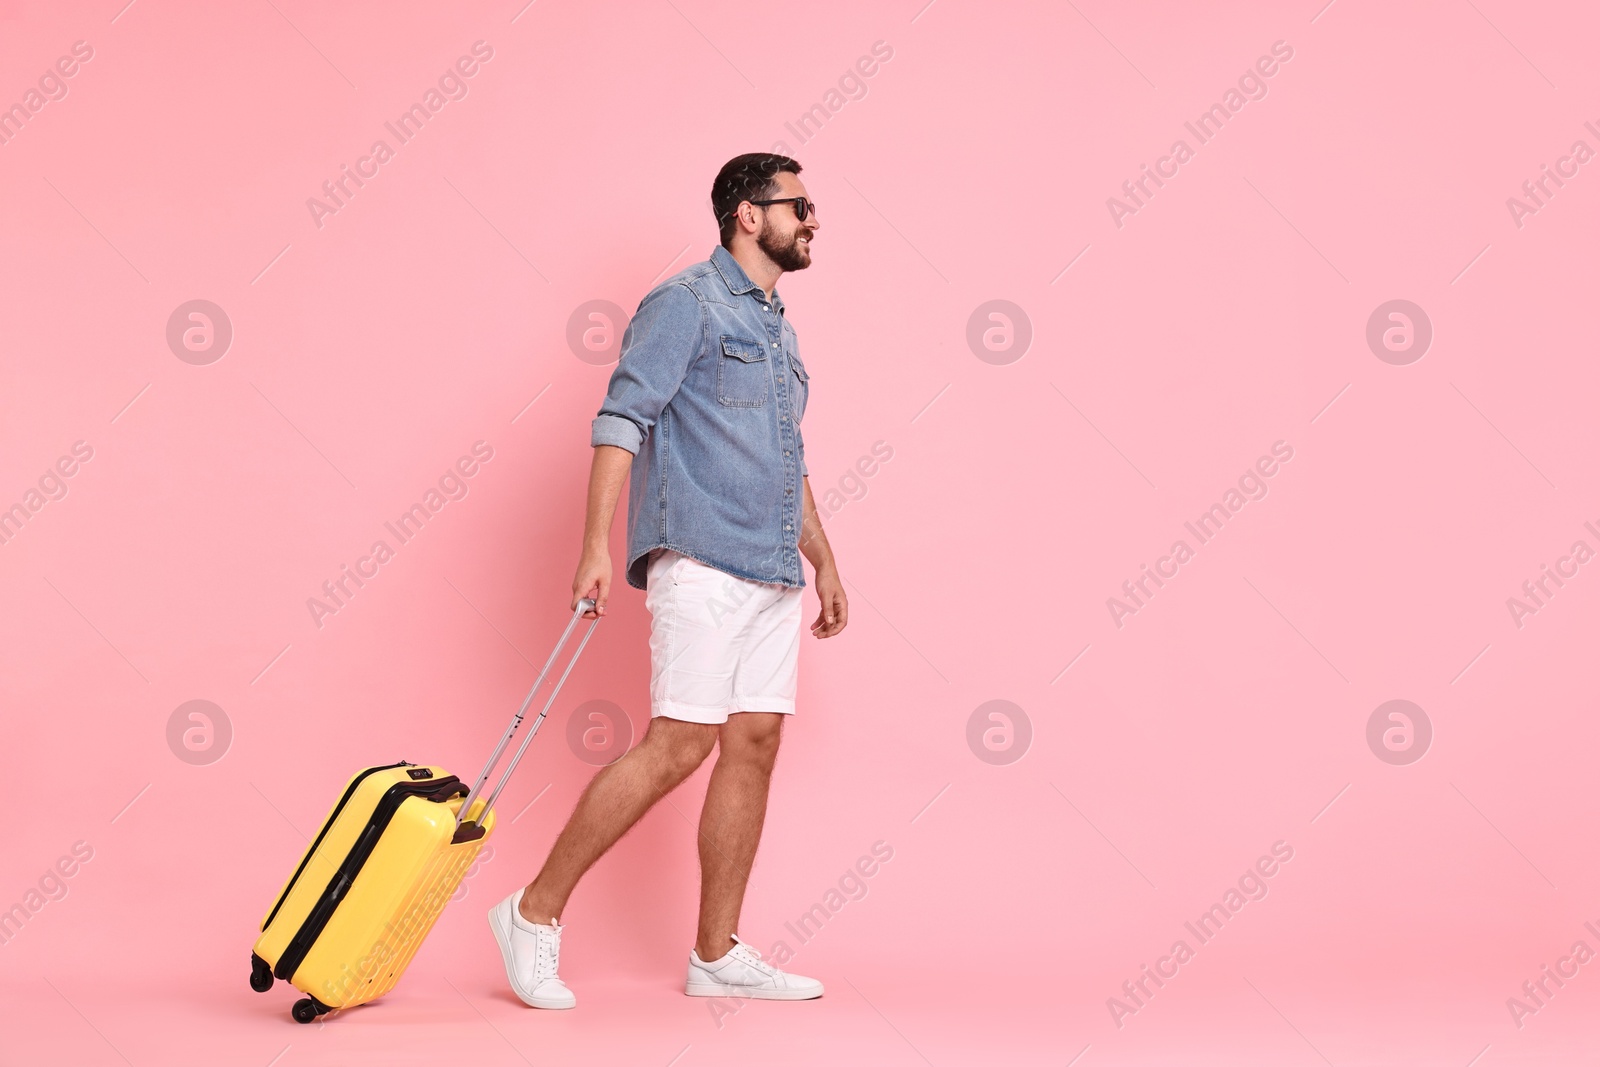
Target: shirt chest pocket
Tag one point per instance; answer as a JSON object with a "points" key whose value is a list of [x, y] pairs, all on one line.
{"points": [[742, 373]]}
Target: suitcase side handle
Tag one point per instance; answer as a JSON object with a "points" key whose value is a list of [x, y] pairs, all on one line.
{"points": [[585, 605]]}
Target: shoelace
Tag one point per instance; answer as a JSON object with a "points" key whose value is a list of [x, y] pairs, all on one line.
{"points": [[753, 958], [547, 953]]}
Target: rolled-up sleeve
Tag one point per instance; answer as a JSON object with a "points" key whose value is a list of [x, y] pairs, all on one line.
{"points": [[661, 342]]}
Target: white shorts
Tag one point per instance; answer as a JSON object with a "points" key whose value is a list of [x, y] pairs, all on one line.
{"points": [[719, 644]]}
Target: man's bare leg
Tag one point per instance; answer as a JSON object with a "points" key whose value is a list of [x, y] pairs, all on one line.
{"points": [[613, 801], [730, 824]]}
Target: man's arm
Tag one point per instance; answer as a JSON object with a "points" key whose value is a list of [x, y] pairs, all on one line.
{"points": [[608, 471], [814, 545], [661, 341]]}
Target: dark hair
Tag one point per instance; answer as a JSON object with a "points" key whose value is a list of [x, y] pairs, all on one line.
{"points": [[747, 177]]}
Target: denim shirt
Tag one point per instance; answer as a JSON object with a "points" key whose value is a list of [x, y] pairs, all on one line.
{"points": [[708, 396]]}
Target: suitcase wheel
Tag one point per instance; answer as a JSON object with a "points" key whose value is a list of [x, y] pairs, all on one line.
{"points": [[260, 974], [307, 1010]]}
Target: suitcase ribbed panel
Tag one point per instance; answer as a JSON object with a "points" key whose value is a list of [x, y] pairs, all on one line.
{"points": [[433, 891]]}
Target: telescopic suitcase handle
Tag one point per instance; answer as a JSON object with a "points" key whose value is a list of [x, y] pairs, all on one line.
{"points": [[464, 826]]}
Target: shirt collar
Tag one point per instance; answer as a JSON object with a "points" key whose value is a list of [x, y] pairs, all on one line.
{"points": [[738, 281]]}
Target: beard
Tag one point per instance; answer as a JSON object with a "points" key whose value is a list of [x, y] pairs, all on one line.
{"points": [[786, 252]]}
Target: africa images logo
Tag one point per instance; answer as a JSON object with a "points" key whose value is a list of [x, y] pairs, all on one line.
{"points": [[453, 484], [1252, 85], [452, 85], [1252, 485]]}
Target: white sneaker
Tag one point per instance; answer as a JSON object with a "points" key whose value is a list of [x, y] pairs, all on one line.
{"points": [[743, 973], [532, 952]]}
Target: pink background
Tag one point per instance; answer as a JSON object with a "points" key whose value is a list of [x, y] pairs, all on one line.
{"points": [[1230, 713]]}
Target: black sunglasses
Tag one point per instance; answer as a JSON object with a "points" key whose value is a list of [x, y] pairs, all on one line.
{"points": [[802, 206]]}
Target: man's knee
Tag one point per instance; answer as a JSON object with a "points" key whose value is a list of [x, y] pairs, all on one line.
{"points": [[752, 737], [681, 746]]}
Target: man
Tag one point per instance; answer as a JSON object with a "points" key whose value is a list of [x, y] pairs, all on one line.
{"points": [[704, 408]]}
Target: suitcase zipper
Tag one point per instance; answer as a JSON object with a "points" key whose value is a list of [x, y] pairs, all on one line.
{"points": [[337, 808], [438, 790]]}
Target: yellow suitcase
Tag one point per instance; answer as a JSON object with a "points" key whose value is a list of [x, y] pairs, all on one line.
{"points": [[388, 858]]}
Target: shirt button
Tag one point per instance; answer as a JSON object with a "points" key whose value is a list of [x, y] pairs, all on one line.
{"points": [[774, 344], [786, 453]]}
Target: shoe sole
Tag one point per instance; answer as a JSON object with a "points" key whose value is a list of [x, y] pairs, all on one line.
{"points": [[717, 989], [503, 939]]}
